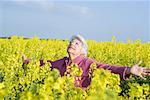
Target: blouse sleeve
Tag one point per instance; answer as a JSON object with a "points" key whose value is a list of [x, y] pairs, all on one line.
{"points": [[116, 70]]}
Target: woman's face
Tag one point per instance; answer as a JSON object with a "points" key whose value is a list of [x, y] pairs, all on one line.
{"points": [[75, 47]]}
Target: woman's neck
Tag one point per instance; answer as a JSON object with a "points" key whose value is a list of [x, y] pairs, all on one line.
{"points": [[72, 56]]}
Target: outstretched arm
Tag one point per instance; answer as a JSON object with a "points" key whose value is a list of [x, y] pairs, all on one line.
{"points": [[27, 60], [125, 71], [121, 70]]}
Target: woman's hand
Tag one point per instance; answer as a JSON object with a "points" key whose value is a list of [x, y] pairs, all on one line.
{"points": [[139, 71], [25, 59]]}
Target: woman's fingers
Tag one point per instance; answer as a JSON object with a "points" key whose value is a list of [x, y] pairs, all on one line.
{"points": [[142, 77], [146, 70], [145, 74]]}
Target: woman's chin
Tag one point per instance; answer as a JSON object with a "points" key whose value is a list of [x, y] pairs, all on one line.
{"points": [[70, 52]]}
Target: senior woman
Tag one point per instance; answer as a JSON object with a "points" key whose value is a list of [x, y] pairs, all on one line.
{"points": [[77, 51]]}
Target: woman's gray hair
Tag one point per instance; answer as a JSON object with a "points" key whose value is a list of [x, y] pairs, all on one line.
{"points": [[84, 44]]}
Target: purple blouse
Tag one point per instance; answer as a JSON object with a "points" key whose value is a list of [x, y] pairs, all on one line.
{"points": [[84, 63]]}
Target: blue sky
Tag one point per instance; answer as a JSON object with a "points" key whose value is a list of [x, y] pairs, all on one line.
{"points": [[60, 19]]}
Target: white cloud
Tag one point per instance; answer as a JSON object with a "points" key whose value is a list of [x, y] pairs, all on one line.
{"points": [[44, 4], [20, 2], [83, 10], [62, 7]]}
